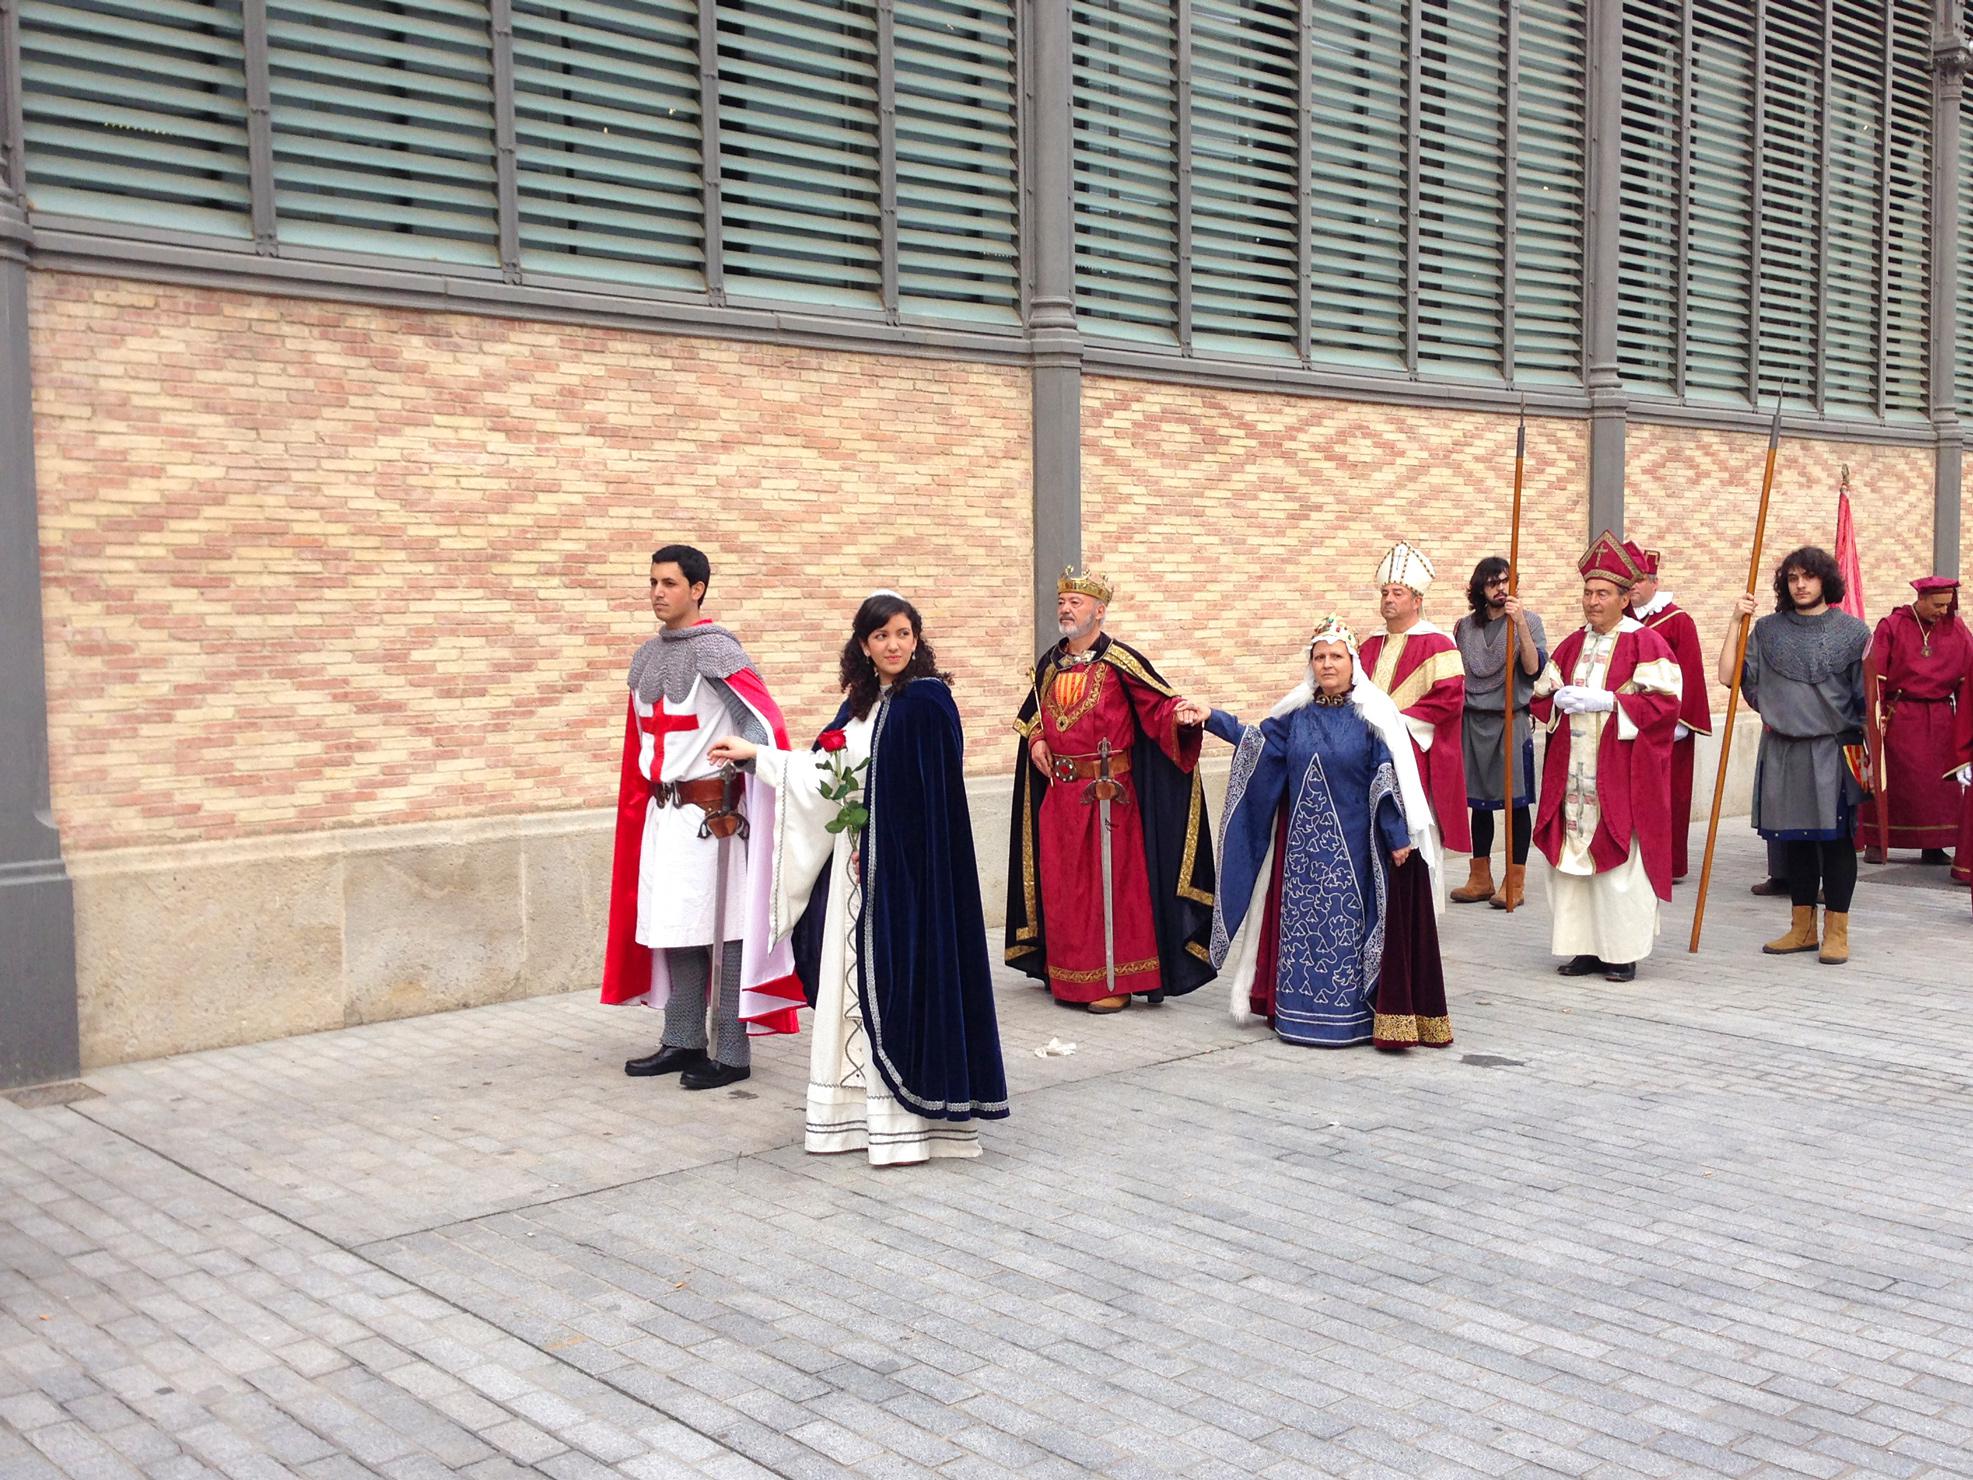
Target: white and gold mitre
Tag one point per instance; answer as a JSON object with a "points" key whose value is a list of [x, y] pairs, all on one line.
{"points": [[1406, 565], [1091, 583]]}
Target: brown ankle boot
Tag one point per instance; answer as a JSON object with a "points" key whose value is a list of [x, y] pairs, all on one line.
{"points": [[1478, 885], [1835, 938], [1800, 936], [1511, 887]]}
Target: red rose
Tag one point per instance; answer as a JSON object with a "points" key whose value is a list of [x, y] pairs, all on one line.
{"points": [[831, 740]]}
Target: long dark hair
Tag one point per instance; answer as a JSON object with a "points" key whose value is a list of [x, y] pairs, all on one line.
{"points": [[1476, 589], [1811, 560], [859, 675]]}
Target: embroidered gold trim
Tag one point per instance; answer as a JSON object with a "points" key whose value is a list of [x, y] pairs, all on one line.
{"points": [[1124, 968], [1126, 663], [1435, 1030], [1194, 821], [1434, 671], [1027, 932], [1408, 1028], [1092, 691], [1193, 948], [1384, 671]]}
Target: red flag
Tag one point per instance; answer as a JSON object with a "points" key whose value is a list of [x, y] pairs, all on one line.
{"points": [[1849, 563]]}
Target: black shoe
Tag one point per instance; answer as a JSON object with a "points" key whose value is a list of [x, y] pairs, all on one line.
{"points": [[713, 1075], [1580, 966], [1769, 888], [1935, 855], [1155, 999], [1626, 972], [665, 1061]]}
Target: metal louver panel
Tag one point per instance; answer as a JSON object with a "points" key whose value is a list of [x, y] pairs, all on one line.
{"points": [[958, 206], [606, 105], [1791, 102], [1548, 192], [798, 151], [1908, 235], [1462, 183], [1246, 158], [135, 112], [1851, 197], [1125, 166], [1719, 258], [1649, 286], [1963, 278], [383, 127], [1357, 188]]}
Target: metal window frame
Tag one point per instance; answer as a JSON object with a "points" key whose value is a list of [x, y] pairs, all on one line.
{"points": [[1510, 179], [1182, 174]]}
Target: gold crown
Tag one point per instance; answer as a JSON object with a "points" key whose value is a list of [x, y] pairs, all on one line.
{"points": [[1092, 583]]}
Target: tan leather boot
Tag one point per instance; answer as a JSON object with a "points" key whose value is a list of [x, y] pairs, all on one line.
{"points": [[1835, 938], [1478, 885], [1511, 888], [1800, 936]]}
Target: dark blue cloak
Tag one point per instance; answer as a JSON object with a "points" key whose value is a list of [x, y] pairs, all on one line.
{"points": [[924, 979]]}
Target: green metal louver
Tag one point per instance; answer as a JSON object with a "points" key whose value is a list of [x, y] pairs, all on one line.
{"points": [[1791, 101], [1650, 288], [1246, 159], [1963, 327], [1548, 193], [383, 127], [1853, 197], [1125, 167], [1462, 187], [1357, 189], [606, 108], [135, 113], [798, 151], [1907, 255], [958, 202], [1719, 258]]}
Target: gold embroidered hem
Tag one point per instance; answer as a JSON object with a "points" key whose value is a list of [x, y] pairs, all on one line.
{"points": [[1124, 968], [1406, 1029]]}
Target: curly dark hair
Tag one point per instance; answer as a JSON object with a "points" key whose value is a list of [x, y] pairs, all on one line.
{"points": [[1810, 560], [1476, 589], [859, 674]]}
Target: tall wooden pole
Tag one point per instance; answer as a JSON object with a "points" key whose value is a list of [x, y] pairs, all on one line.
{"points": [[1733, 689], [1507, 745]]}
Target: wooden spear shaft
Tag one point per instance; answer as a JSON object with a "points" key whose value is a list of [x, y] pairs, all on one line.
{"points": [[1513, 657], [1733, 689]]}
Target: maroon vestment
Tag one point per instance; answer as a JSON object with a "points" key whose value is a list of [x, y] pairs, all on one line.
{"points": [[1923, 680], [1426, 679], [1695, 711]]}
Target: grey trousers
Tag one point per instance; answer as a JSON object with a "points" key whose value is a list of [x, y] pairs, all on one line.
{"points": [[685, 1010]]}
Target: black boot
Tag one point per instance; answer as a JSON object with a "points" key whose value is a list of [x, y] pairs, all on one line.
{"points": [[1935, 855], [713, 1075], [1580, 966], [664, 1061], [1620, 971]]}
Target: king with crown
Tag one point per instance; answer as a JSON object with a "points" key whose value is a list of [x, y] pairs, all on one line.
{"points": [[1110, 871]]}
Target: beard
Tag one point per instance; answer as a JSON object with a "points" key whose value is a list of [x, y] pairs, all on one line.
{"points": [[1074, 631]]}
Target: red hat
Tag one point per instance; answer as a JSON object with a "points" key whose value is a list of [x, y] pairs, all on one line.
{"points": [[1650, 562], [1645, 560], [1610, 559], [1926, 585]]}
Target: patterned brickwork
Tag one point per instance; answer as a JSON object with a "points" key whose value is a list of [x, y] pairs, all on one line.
{"points": [[1233, 519], [1694, 495], [309, 565]]}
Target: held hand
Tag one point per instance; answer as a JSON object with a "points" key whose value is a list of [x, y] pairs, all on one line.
{"points": [[1039, 753], [732, 749], [1680, 732], [1964, 775], [1399, 857], [1191, 715], [1743, 604]]}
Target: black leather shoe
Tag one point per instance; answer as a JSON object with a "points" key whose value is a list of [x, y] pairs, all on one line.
{"points": [[1935, 856], [1155, 999], [1626, 972], [1580, 966], [665, 1061], [713, 1075]]}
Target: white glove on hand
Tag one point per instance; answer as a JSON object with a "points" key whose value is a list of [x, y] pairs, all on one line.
{"points": [[1575, 699], [1680, 732], [1964, 775]]}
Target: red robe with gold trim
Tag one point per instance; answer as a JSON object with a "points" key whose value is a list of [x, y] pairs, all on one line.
{"points": [[1923, 675], [1420, 669], [1695, 711]]}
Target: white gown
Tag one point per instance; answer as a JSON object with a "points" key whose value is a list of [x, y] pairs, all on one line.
{"points": [[849, 1108]]}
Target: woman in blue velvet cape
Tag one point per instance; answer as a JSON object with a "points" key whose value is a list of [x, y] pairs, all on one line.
{"points": [[890, 938]]}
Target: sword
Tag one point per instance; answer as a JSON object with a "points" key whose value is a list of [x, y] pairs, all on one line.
{"points": [[1102, 791], [725, 825]]}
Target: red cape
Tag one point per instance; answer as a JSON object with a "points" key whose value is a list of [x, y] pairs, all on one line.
{"points": [[1695, 702], [1633, 777], [626, 964]]}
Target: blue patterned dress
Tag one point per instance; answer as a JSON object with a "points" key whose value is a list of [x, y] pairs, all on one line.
{"points": [[1334, 777]]}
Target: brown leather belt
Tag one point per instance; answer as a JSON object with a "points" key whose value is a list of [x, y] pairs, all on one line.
{"points": [[707, 794], [1086, 767]]}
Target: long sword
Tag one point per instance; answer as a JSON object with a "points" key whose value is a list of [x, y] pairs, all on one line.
{"points": [[1103, 789], [723, 825]]}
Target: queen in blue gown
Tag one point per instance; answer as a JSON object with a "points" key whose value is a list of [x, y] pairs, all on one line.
{"points": [[1321, 820]]}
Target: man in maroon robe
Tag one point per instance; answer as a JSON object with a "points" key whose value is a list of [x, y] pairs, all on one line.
{"points": [[1962, 776], [1919, 658], [1099, 716], [1660, 614], [1419, 666]]}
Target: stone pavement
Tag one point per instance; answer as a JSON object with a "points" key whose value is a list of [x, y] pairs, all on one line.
{"points": [[1713, 1223]]}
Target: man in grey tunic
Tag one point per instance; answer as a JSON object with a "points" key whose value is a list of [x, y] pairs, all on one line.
{"points": [[1482, 639], [1804, 675]]}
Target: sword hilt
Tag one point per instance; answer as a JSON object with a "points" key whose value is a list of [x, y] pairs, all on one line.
{"points": [[728, 821]]}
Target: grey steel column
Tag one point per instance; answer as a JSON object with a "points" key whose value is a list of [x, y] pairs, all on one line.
{"points": [[37, 905], [1057, 345], [1603, 159], [1950, 59]]}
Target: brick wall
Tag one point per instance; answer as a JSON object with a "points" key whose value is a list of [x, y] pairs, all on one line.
{"points": [[309, 565], [1694, 495], [1233, 519]]}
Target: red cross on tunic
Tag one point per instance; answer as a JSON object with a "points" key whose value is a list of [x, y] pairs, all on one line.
{"points": [[660, 724]]}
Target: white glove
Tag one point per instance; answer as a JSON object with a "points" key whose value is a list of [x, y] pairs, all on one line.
{"points": [[1964, 775], [1680, 732], [1575, 699]]}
